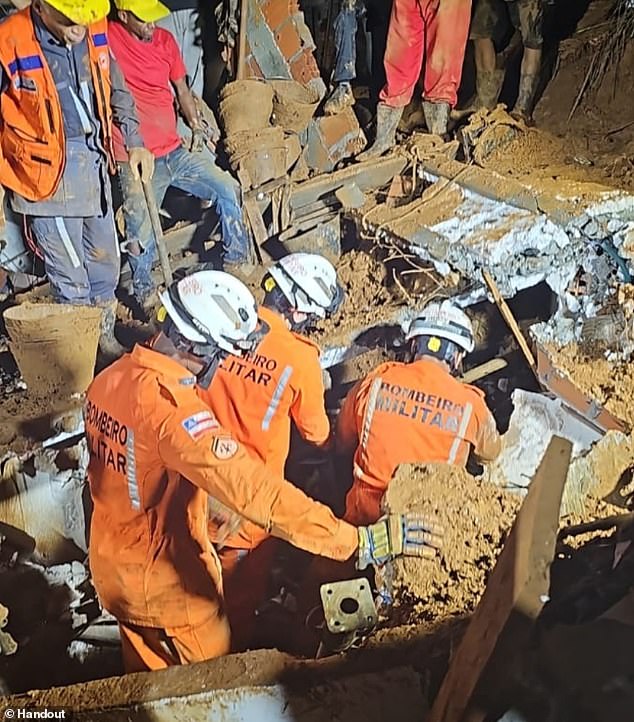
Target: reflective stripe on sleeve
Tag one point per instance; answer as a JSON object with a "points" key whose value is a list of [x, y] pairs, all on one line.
{"points": [[133, 485], [276, 397], [462, 430]]}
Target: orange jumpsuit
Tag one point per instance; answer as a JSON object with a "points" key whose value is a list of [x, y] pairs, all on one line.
{"points": [[255, 398], [409, 413], [156, 453]]}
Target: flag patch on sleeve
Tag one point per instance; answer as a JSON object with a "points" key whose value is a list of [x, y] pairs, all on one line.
{"points": [[198, 424]]}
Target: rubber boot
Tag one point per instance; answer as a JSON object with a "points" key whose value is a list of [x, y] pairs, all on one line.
{"points": [[387, 120], [109, 347], [489, 86], [436, 117], [523, 109], [340, 99]]}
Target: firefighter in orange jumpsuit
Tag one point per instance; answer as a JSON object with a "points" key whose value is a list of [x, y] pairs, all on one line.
{"points": [[255, 397], [415, 412], [157, 454], [433, 32]]}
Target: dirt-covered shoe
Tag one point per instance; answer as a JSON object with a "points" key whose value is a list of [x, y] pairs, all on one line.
{"points": [[523, 109], [340, 99], [436, 117], [109, 347], [387, 120]]}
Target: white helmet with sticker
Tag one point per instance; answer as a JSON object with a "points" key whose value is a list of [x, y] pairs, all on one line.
{"points": [[444, 320], [309, 283], [213, 307]]}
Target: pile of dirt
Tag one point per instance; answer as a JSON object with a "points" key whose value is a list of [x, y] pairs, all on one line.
{"points": [[368, 299], [602, 128], [535, 154], [476, 517], [610, 384]]}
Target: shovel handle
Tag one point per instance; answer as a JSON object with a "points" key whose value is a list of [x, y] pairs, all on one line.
{"points": [[155, 220]]}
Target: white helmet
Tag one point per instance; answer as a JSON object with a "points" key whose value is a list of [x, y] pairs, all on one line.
{"points": [[212, 307], [309, 283], [444, 320]]}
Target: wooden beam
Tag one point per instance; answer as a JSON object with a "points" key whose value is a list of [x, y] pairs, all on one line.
{"points": [[500, 628], [507, 315]]}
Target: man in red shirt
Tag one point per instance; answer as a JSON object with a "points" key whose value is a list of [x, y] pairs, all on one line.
{"points": [[152, 65]]}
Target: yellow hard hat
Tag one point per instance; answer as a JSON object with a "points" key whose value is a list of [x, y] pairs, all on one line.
{"points": [[149, 11], [82, 12]]}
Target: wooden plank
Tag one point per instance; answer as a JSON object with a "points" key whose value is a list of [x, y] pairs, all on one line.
{"points": [[500, 628], [485, 369], [507, 315], [260, 232]]}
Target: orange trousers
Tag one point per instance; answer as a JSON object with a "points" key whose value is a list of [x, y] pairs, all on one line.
{"points": [[245, 577], [435, 31], [146, 649], [363, 504]]}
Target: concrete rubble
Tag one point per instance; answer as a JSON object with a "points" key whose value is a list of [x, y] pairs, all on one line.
{"points": [[46, 503], [598, 462], [471, 219]]}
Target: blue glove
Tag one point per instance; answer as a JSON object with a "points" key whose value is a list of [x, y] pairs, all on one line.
{"points": [[396, 535]]}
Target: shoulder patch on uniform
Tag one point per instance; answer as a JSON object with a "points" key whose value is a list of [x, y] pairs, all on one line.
{"points": [[200, 423], [224, 447]]}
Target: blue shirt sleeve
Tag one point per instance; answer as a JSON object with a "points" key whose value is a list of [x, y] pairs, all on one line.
{"points": [[124, 114]]}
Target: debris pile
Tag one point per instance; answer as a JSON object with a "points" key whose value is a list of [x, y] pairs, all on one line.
{"points": [[476, 517]]}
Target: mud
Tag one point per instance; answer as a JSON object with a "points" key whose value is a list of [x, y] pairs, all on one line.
{"points": [[476, 518], [610, 384], [293, 104], [602, 128], [55, 346], [245, 105], [368, 300]]}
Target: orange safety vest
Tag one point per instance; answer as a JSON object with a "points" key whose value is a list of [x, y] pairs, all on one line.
{"points": [[32, 144]]}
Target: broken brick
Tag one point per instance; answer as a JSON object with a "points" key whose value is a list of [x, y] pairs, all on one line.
{"points": [[288, 40], [275, 12]]}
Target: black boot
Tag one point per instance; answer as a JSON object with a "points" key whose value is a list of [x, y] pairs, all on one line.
{"points": [[387, 120]]}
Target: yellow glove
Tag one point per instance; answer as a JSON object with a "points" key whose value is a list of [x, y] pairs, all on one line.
{"points": [[396, 535]]}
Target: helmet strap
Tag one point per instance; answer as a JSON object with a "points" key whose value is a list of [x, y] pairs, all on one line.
{"points": [[209, 355], [205, 376], [277, 301]]}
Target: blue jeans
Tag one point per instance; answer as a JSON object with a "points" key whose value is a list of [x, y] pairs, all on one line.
{"points": [[194, 173], [345, 31], [81, 257]]}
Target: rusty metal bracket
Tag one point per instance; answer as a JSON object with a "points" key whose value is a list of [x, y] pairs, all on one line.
{"points": [[348, 606]]}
